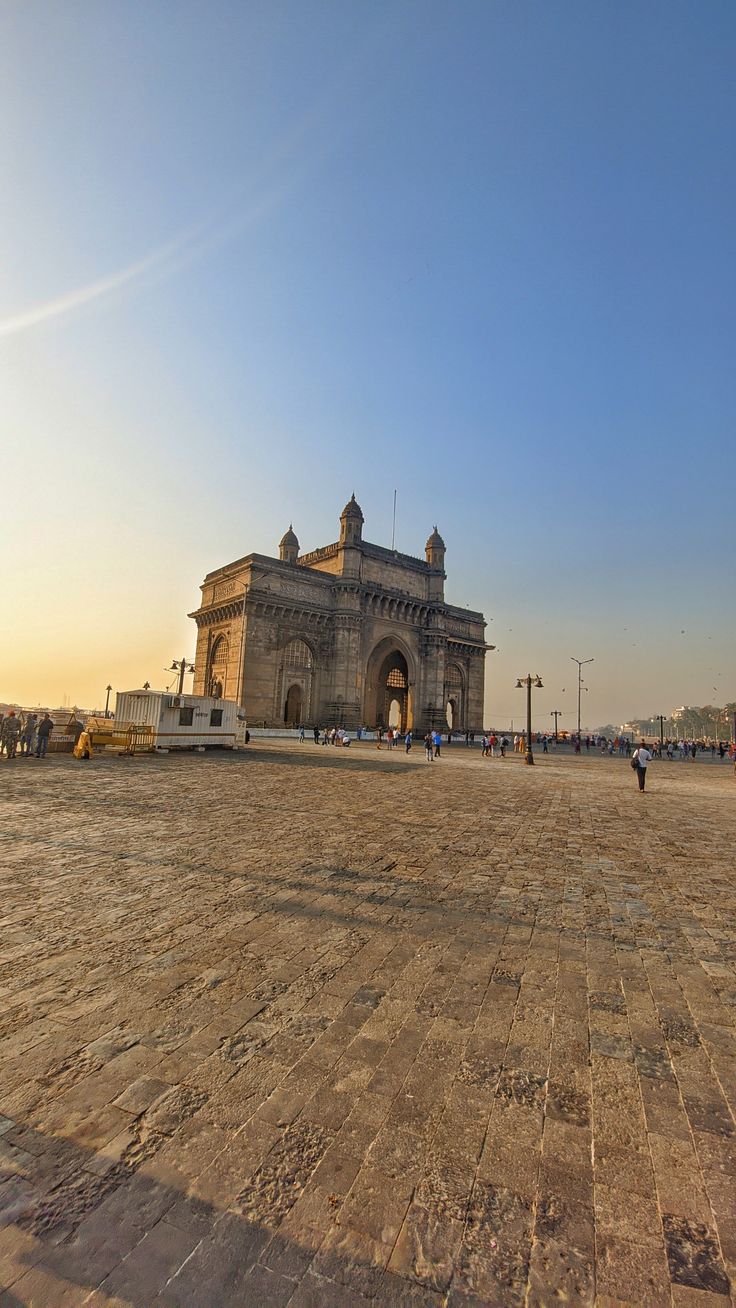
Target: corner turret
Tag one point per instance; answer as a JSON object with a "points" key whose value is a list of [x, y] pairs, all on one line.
{"points": [[289, 546], [434, 552], [351, 523]]}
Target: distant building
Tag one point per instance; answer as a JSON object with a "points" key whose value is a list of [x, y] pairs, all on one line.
{"points": [[351, 633]]}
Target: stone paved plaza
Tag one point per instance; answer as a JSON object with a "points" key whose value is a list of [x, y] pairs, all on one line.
{"points": [[333, 1028]]}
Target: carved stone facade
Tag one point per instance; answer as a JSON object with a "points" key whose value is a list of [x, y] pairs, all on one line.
{"points": [[352, 633]]}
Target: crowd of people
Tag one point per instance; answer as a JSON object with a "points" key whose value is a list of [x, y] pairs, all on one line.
{"points": [[494, 745], [25, 735], [328, 736]]}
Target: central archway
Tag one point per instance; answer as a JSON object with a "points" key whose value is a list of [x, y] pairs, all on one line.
{"points": [[388, 689]]}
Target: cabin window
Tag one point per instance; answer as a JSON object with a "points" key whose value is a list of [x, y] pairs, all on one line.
{"points": [[186, 717], [216, 718]]}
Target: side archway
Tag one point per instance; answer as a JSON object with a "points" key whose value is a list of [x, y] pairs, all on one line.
{"points": [[217, 668], [294, 682], [293, 706], [455, 698]]}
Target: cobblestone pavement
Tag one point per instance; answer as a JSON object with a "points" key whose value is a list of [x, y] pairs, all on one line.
{"points": [[329, 1028]]}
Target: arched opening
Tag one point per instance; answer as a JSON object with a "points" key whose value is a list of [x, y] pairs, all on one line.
{"points": [[455, 698], [394, 713], [294, 682], [217, 672], [293, 706]]}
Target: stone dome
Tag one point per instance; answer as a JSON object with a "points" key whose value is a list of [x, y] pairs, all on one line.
{"points": [[289, 537], [435, 541]]}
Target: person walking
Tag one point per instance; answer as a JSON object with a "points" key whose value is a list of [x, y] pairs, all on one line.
{"points": [[640, 758], [428, 751], [407, 742], [45, 727], [437, 741], [301, 734]]}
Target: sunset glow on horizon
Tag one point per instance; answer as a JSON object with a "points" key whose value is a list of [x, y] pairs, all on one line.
{"points": [[258, 258]]}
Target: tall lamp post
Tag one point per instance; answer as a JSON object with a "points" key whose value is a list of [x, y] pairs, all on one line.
{"points": [[182, 667], [529, 681], [107, 701], [659, 717], [581, 664], [556, 713]]}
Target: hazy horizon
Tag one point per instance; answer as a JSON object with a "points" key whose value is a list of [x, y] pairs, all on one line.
{"points": [[258, 258]]}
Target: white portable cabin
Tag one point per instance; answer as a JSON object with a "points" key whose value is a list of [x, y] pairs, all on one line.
{"points": [[180, 721]]}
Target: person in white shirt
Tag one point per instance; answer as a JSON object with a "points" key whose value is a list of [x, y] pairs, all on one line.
{"points": [[640, 758]]}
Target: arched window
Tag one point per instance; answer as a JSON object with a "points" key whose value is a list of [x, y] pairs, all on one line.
{"points": [[297, 654], [454, 678], [218, 653]]}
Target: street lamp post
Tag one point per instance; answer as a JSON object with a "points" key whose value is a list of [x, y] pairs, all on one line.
{"points": [[107, 701], [581, 664], [660, 719], [529, 681], [556, 713], [182, 667]]}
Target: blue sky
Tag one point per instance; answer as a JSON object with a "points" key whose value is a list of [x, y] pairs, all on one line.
{"points": [[258, 256]]}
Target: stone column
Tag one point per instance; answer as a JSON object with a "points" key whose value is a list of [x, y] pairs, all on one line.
{"points": [[347, 686], [476, 692], [430, 710]]}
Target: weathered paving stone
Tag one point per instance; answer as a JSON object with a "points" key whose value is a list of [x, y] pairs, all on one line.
{"points": [[560, 1273], [474, 1070], [709, 1115], [520, 1087], [611, 1046], [494, 1257], [332, 1029], [567, 1104], [279, 1182], [605, 1002], [655, 1063], [680, 1033], [693, 1255]]}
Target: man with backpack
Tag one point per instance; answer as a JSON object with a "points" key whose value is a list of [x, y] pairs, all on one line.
{"points": [[639, 760]]}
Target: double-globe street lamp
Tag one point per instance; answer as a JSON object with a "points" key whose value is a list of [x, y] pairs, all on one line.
{"points": [[182, 667], [529, 681]]}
